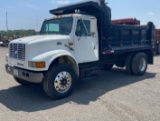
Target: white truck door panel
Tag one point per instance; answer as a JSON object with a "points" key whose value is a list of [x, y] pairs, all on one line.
{"points": [[86, 44]]}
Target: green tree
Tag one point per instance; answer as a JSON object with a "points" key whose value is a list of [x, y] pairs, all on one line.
{"points": [[18, 33]]}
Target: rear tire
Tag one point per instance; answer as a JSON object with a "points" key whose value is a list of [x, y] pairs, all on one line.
{"points": [[139, 64], [59, 81], [129, 64], [22, 82]]}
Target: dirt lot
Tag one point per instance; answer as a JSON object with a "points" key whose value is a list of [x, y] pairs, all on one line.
{"points": [[114, 96]]}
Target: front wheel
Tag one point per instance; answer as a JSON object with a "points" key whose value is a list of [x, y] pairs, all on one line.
{"points": [[59, 81], [139, 64]]}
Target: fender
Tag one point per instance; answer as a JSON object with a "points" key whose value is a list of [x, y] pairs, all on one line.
{"points": [[50, 56]]}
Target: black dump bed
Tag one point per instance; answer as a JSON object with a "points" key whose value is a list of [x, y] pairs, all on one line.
{"points": [[112, 37], [121, 37]]}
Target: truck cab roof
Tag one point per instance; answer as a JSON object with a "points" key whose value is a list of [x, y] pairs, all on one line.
{"points": [[73, 15]]}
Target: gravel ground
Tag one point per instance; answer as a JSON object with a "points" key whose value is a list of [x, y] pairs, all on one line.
{"points": [[114, 96]]}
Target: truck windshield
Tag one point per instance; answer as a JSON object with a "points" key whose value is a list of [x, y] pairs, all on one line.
{"points": [[62, 26]]}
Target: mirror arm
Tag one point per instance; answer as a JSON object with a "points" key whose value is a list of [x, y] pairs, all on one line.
{"points": [[85, 27]]}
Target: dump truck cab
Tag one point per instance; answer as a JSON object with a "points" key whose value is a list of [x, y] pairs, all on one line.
{"points": [[81, 31]]}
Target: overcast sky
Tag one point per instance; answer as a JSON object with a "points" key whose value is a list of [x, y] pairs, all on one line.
{"points": [[29, 14]]}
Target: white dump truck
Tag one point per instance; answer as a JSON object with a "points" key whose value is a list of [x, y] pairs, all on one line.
{"points": [[78, 40]]}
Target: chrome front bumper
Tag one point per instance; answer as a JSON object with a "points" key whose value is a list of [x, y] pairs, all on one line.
{"points": [[30, 76]]}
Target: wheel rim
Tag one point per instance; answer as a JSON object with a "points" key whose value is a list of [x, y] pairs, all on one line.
{"points": [[142, 64], [63, 82]]}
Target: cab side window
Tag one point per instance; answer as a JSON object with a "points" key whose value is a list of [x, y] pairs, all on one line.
{"points": [[83, 28]]}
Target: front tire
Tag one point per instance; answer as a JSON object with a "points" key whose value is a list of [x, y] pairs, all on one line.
{"points": [[139, 64], [59, 81]]}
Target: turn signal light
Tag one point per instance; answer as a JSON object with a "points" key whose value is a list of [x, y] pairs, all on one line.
{"points": [[40, 65], [37, 64]]}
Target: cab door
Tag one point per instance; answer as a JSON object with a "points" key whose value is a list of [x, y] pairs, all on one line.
{"points": [[86, 41]]}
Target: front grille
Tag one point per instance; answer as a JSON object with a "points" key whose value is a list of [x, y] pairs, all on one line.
{"points": [[17, 51]]}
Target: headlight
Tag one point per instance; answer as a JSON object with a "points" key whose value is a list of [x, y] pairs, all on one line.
{"points": [[37, 64]]}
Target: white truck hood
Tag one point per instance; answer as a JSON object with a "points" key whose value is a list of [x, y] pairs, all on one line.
{"points": [[39, 44], [37, 38]]}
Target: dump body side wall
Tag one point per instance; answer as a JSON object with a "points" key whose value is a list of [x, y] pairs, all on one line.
{"points": [[127, 35]]}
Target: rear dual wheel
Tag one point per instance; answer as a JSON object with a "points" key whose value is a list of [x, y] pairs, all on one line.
{"points": [[137, 64]]}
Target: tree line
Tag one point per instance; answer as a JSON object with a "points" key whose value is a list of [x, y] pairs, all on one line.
{"points": [[17, 33]]}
